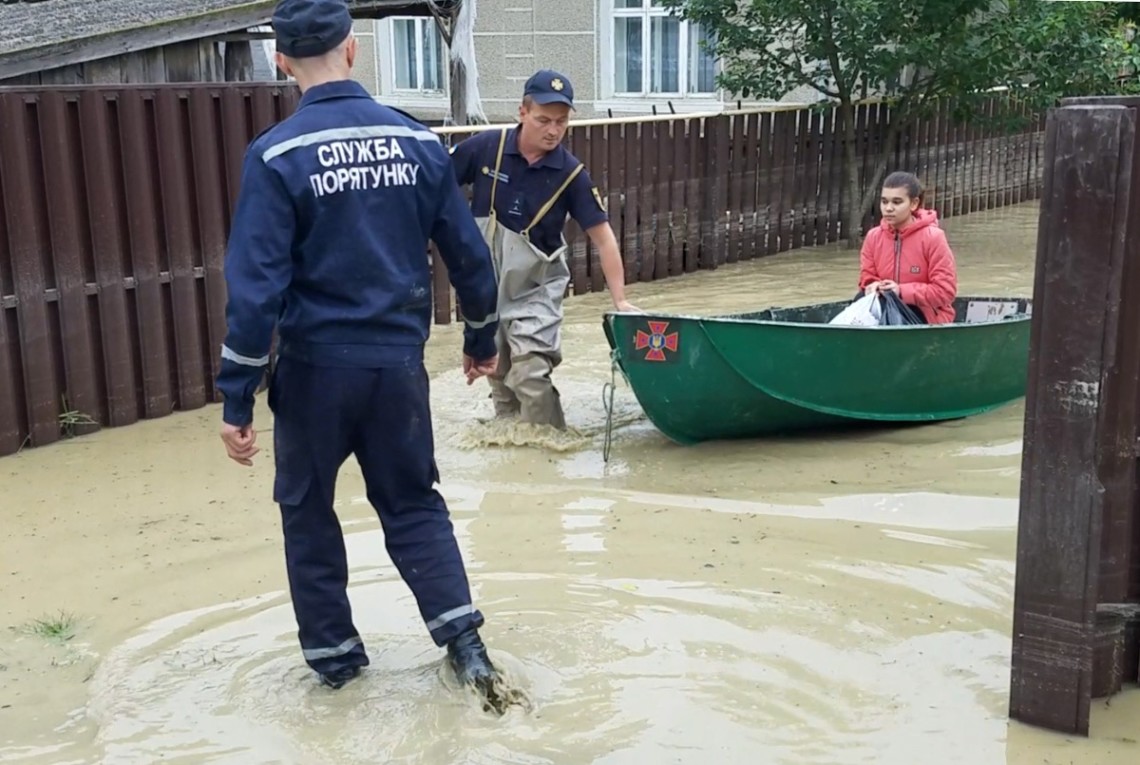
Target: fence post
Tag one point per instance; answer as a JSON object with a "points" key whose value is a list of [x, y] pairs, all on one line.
{"points": [[1120, 567], [1065, 650]]}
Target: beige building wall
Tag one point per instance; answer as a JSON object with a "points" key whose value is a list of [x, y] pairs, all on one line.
{"points": [[513, 39], [365, 70]]}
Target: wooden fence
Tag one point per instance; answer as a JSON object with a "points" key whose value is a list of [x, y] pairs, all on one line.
{"points": [[115, 204]]}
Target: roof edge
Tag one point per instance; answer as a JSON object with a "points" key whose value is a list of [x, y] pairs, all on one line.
{"points": [[53, 55], [69, 52]]}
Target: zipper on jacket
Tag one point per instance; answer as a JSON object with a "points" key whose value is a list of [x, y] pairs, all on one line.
{"points": [[898, 256]]}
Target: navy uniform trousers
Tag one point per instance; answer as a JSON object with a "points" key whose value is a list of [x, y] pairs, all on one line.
{"points": [[383, 417]]}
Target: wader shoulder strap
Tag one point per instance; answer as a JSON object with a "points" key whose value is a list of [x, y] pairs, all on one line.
{"points": [[498, 165], [550, 202]]}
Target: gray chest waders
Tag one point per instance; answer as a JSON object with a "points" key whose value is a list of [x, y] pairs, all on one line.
{"points": [[531, 286]]}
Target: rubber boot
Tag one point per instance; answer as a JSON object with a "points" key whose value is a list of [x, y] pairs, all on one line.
{"points": [[472, 666], [337, 678]]}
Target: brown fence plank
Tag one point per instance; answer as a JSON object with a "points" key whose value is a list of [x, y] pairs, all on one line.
{"points": [[60, 136], [716, 191], [210, 201], [864, 149], [578, 254], [750, 170], [28, 241], [181, 237], [797, 191], [12, 412], [812, 207], [777, 176], [663, 158], [737, 168], [631, 157], [694, 178], [615, 190], [961, 167], [979, 161], [646, 150], [1061, 517], [107, 247], [834, 158], [138, 149], [599, 169], [235, 126], [678, 180], [925, 133]]}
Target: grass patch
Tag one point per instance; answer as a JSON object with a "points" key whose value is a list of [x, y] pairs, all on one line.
{"points": [[70, 419], [60, 628]]}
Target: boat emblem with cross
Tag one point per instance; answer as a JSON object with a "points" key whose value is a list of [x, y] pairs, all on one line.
{"points": [[656, 340]]}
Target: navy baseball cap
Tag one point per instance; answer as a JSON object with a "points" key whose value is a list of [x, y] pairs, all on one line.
{"points": [[306, 28], [549, 87]]}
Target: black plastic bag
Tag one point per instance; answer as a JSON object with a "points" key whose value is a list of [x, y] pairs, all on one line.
{"points": [[894, 312]]}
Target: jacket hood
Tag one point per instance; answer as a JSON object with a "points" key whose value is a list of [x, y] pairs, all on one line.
{"points": [[922, 219]]}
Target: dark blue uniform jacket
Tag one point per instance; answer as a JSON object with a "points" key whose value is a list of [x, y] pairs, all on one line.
{"points": [[329, 242], [524, 188]]}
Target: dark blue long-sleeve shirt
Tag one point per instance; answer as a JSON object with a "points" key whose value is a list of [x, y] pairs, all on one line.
{"points": [[329, 244]]}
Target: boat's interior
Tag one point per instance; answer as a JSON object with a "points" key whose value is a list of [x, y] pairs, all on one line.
{"points": [[967, 310]]}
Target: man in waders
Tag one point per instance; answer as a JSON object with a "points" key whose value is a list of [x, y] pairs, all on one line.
{"points": [[329, 243], [524, 184]]}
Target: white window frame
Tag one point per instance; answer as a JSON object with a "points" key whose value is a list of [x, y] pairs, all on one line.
{"points": [[385, 51], [682, 101]]}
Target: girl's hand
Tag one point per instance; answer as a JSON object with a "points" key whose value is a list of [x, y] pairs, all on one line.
{"points": [[872, 288], [888, 286]]}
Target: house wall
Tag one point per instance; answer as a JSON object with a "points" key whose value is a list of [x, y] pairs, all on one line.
{"points": [[513, 39]]}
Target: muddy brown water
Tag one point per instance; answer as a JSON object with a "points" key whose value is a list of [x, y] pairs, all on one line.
{"points": [[810, 600]]}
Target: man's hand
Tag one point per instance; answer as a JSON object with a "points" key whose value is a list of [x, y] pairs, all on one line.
{"points": [[626, 307], [240, 443], [476, 369]]}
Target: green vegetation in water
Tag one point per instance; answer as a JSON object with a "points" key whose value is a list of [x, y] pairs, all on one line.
{"points": [[70, 419], [60, 628]]}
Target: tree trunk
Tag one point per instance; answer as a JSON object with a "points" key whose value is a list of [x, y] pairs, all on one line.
{"points": [[878, 173], [458, 92], [852, 198]]}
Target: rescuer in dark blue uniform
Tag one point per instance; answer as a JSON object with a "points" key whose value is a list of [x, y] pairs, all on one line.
{"points": [[329, 244]]}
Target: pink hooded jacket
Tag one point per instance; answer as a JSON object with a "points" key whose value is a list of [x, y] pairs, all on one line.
{"points": [[919, 259]]}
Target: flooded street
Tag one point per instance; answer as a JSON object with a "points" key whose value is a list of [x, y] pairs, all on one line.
{"points": [[831, 600]]}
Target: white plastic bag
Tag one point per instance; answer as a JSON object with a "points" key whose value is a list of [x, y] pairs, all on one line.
{"points": [[864, 312]]}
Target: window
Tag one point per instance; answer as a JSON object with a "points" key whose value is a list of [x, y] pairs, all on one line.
{"points": [[419, 58], [655, 53]]}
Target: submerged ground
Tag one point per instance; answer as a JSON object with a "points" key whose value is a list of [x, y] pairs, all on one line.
{"points": [[844, 599]]}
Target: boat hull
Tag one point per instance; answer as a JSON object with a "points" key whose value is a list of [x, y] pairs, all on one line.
{"points": [[785, 370]]}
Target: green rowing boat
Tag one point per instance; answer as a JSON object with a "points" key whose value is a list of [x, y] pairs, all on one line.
{"points": [[786, 369]]}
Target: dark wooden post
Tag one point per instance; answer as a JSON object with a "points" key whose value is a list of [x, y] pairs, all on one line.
{"points": [[238, 61], [1070, 426], [458, 92], [1120, 555]]}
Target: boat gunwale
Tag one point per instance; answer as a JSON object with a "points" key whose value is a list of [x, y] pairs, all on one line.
{"points": [[729, 319]]}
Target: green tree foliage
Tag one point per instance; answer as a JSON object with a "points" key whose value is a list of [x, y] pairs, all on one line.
{"points": [[914, 54]]}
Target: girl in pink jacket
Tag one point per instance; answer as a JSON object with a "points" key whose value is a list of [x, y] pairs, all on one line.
{"points": [[908, 254]]}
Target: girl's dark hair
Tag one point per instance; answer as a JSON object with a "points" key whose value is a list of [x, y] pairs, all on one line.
{"points": [[908, 181]]}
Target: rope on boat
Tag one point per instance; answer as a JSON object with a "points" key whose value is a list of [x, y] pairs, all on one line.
{"points": [[608, 402]]}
